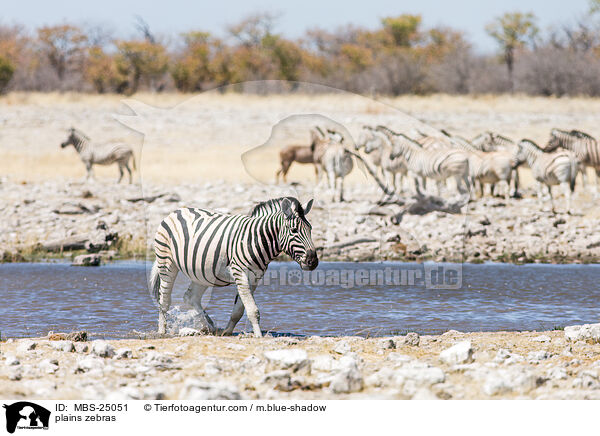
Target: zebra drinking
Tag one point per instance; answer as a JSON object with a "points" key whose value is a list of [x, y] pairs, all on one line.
{"points": [[214, 249], [100, 154], [556, 168]]}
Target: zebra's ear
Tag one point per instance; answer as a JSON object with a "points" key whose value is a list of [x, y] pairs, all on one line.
{"points": [[286, 208], [308, 206]]}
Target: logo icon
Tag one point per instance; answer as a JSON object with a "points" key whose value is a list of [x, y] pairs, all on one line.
{"points": [[26, 415]]}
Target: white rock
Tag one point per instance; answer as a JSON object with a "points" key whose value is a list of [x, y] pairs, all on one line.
{"points": [[342, 347], [65, 346], [294, 359], [10, 360], [505, 381], [347, 381], [81, 347], [557, 374], [421, 374], [424, 394], [536, 356], [386, 344], [461, 352], [123, 353], [411, 339], [583, 332], [158, 360], [102, 349], [382, 378], [188, 331], [25, 346], [542, 338], [399, 358], [89, 363], [235, 347], [49, 366], [195, 389], [324, 362]]}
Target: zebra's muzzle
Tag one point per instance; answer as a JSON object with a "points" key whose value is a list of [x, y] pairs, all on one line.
{"points": [[310, 261]]}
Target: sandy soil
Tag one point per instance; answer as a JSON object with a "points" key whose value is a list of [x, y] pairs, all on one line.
{"points": [[527, 365]]}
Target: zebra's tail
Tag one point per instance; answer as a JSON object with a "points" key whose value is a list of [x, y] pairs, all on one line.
{"points": [[574, 171], [154, 285]]}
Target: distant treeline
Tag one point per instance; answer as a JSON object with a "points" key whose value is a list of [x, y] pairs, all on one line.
{"points": [[400, 56]]}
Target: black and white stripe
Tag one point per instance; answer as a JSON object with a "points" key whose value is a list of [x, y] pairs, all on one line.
{"points": [[435, 164], [100, 154], [214, 249], [549, 168]]}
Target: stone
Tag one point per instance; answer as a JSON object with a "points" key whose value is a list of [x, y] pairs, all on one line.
{"points": [[81, 347], [557, 374], [49, 366], [419, 373], [342, 347], [386, 344], [235, 347], [10, 360], [88, 364], [123, 353], [102, 349], [506, 381], [188, 331], [324, 362], [461, 352], [294, 359], [25, 346], [196, 389], [65, 346], [87, 260], [412, 339], [536, 356], [158, 360], [585, 332], [347, 381], [542, 338], [78, 336]]}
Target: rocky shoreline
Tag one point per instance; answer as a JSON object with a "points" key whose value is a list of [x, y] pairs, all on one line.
{"points": [[511, 365], [64, 219]]}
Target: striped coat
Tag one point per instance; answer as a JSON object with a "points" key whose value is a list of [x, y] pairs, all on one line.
{"points": [[549, 168], [214, 249], [435, 164], [100, 154]]}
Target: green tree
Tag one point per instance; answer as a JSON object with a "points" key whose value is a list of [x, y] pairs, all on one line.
{"points": [[512, 31], [63, 45], [141, 61], [404, 29], [7, 70]]}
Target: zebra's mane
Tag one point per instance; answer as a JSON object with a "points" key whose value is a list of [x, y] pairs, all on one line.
{"points": [[275, 203], [530, 142], [390, 133], [580, 134], [79, 133]]}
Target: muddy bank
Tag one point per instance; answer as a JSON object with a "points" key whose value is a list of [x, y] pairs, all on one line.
{"points": [[64, 218], [527, 365]]}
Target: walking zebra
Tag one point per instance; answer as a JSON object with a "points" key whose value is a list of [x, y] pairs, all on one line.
{"points": [[436, 164], [584, 146], [556, 168], [214, 249], [378, 145], [100, 154]]}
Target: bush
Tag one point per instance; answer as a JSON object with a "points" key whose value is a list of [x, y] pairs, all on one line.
{"points": [[7, 70]]}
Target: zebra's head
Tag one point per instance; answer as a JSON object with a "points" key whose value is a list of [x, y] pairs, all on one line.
{"points": [[295, 235], [75, 137], [368, 139], [525, 149], [554, 141]]}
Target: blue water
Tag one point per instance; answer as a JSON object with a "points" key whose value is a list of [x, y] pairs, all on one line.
{"points": [[338, 298]]}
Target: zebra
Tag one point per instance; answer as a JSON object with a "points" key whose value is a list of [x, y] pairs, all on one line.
{"points": [[490, 141], [549, 168], [377, 144], [486, 167], [332, 158], [105, 154], [436, 164], [584, 146], [215, 249]]}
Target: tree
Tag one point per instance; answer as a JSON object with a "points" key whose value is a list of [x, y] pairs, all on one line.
{"points": [[141, 61], [7, 70], [512, 31], [63, 45], [191, 70], [404, 29]]}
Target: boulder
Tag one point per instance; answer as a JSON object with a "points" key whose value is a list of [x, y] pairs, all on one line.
{"points": [[461, 352], [102, 349], [585, 332], [87, 260], [294, 359], [196, 389]]}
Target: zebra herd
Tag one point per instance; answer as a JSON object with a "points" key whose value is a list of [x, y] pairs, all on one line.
{"points": [[487, 159]]}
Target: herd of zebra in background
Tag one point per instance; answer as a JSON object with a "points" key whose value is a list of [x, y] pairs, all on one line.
{"points": [[487, 159]]}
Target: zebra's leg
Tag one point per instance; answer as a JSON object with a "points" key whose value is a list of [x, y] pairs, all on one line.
{"points": [[167, 273], [551, 199], [120, 173], [245, 292], [90, 171], [130, 173], [237, 313], [341, 189], [193, 297], [567, 190]]}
